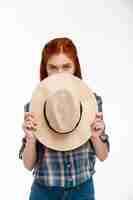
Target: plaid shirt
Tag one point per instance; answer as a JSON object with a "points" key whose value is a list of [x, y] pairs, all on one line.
{"points": [[66, 169]]}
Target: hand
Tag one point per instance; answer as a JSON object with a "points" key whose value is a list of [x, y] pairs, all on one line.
{"points": [[98, 126], [29, 126]]}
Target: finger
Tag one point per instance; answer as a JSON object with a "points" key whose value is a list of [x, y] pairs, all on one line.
{"points": [[29, 114], [99, 132], [99, 115], [25, 125], [31, 128], [29, 119], [26, 116], [32, 115], [98, 120], [98, 124], [99, 127], [30, 124]]}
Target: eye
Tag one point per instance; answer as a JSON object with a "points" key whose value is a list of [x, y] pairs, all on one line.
{"points": [[52, 67], [67, 66]]}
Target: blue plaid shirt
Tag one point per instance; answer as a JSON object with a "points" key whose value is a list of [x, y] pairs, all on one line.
{"points": [[66, 169]]}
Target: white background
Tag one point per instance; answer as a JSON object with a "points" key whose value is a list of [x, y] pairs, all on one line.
{"points": [[102, 30]]}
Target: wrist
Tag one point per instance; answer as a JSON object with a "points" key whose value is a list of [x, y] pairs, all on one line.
{"points": [[103, 138], [30, 141], [94, 139]]}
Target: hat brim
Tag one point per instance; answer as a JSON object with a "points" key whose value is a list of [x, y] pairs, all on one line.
{"points": [[78, 88]]}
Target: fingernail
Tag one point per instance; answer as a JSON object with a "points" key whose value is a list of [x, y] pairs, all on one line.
{"points": [[99, 113]]}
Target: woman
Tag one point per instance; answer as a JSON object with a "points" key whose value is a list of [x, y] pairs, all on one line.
{"points": [[60, 55]]}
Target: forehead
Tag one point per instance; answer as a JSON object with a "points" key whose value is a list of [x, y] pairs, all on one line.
{"points": [[59, 59]]}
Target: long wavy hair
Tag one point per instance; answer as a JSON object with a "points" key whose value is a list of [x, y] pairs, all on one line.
{"points": [[55, 46]]}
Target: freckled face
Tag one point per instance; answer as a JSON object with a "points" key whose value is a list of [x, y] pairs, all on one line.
{"points": [[60, 63]]}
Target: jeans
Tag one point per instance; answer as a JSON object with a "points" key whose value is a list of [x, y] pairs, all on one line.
{"points": [[84, 191]]}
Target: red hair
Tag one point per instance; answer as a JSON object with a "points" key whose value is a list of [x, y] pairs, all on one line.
{"points": [[56, 46]]}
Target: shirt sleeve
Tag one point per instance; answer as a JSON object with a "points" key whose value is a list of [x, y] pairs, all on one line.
{"points": [[100, 105], [26, 109], [39, 146], [100, 109]]}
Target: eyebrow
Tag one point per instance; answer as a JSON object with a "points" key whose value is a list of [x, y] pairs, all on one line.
{"points": [[63, 64]]}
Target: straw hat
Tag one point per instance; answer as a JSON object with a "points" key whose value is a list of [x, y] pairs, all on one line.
{"points": [[65, 108]]}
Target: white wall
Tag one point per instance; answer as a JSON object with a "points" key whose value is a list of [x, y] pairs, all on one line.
{"points": [[103, 33]]}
